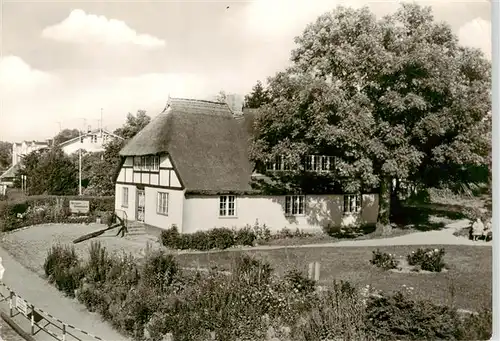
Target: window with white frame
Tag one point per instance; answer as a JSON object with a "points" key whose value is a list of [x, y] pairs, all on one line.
{"points": [[319, 163], [227, 206], [294, 205], [162, 203], [125, 197], [156, 163], [352, 203], [147, 163]]}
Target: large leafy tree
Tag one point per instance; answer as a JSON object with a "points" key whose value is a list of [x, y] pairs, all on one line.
{"points": [[258, 97], [133, 124], [395, 98], [65, 135]]}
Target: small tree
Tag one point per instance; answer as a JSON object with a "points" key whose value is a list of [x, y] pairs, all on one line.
{"points": [[258, 97], [65, 135]]}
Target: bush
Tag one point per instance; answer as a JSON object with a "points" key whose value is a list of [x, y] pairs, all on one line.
{"points": [[396, 317], [62, 267], [220, 238], [427, 259], [244, 236], [384, 260], [159, 270], [217, 238], [299, 282], [171, 238]]}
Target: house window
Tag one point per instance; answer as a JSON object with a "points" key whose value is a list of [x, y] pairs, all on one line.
{"points": [[137, 163], [147, 163], [124, 197], [93, 138], [294, 205], [156, 163], [162, 203], [352, 203], [227, 207]]}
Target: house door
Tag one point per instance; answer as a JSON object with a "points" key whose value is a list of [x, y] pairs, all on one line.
{"points": [[140, 205]]}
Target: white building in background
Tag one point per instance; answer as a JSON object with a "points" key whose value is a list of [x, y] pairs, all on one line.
{"points": [[20, 150], [190, 167], [92, 141]]}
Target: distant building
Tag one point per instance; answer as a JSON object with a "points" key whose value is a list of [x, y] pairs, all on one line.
{"points": [[20, 150], [92, 141]]}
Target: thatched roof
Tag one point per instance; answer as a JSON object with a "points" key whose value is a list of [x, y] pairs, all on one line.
{"points": [[208, 145]]}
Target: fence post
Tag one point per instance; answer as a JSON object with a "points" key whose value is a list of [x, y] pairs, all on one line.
{"points": [[64, 332], [32, 319], [316, 271], [311, 270], [10, 303]]}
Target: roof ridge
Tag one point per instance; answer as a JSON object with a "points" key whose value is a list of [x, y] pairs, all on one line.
{"points": [[198, 100]]}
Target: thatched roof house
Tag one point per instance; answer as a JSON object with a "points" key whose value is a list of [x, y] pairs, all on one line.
{"points": [[190, 167]]}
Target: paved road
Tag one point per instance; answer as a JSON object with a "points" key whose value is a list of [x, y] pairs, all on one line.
{"points": [[46, 297]]}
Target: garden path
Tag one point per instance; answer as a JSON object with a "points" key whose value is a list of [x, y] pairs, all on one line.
{"points": [[43, 295], [440, 237]]}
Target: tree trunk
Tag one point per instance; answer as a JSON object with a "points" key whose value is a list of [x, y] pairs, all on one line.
{"points": [[384, 208]]}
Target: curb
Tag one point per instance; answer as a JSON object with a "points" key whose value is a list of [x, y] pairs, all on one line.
{"points": [[16, 327]]}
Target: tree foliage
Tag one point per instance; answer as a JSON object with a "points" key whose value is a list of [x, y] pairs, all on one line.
{"points": [[65, 135], [133, 124], [395, 98], [221, 97], [258, 97], [5, 154], [49, 172]]}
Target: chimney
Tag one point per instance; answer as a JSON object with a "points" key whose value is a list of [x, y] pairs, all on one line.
{"points": [[235, 103]]}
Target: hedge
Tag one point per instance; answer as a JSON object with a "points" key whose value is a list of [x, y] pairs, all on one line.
{"points": [[43, 209]]}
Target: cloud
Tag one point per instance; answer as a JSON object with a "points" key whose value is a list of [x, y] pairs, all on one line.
{"points": [[32, 108], [80, 27], [17, 75], [477, 33]]}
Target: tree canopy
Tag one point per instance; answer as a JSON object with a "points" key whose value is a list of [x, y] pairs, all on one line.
{"points": [[65, 135], [395, 98], [258, 97], [133, 124]]}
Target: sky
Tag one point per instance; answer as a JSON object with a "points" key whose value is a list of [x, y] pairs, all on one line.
{"points": [[62, 62]]}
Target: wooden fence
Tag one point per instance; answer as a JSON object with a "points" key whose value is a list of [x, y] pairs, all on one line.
{"points": [[41, 320]]}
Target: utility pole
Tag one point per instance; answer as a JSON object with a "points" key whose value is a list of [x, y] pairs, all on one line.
{"points": [[101, 122], [80, 160]]}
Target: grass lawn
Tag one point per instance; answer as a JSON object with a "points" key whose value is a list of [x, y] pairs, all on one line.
{"points": [[469, 275]]}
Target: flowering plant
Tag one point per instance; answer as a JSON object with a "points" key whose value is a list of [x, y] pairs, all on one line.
{"points": [[427, 259], [384, 260]]}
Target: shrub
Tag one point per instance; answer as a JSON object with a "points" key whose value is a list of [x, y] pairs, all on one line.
{"points": [[99, 263], [159, 270], [262, 233], [299, 282], [396, 317], [220, 238], [171, 238], [252, 270], [62, 267], [427, 259], [476, 326], [384, 260], [244, 236]]}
